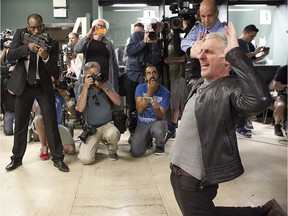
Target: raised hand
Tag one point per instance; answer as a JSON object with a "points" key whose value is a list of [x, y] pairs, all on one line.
{"points": [[232, 39]]}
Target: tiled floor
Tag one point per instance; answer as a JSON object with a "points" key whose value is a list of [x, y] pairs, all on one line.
{"points": [[133, 187]]}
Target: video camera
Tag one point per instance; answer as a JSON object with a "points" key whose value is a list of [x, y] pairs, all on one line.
{"points": [[186, 10]]}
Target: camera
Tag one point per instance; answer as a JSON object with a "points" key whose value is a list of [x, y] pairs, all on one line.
{"points": [[153, 34], [99, 77], [69, 49], [6, 38], [186, 10], [61, 85], [88, 130]]}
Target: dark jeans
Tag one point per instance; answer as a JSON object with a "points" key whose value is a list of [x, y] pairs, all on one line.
{"points": [[195, 202], [9, 118], [130, 87]]}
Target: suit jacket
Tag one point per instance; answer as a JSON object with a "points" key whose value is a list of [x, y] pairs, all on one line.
{"points": [[19, 52]]}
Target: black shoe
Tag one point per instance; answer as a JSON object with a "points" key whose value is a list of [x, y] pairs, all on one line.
{"points": [[278, 130], [13, 165], [61, 166], [159, 150]]}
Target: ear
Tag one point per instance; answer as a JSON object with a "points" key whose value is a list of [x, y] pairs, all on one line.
{"points": [[227, 64]]}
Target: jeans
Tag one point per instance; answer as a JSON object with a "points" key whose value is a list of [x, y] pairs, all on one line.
{"points": [[195, 202], [9, 118], [144, 133]]}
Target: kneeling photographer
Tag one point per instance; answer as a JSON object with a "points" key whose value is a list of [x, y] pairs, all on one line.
{"points": [[143, 48], [95, 99]]}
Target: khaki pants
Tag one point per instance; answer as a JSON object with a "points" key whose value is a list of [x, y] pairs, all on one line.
{"points": [[107, 133]]}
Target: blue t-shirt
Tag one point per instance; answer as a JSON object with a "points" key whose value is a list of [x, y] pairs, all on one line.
{"points": [[161, 96]]}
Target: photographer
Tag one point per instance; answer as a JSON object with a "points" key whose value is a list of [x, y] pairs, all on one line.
{"points": [[63, 98], [7, 99], [143, 49], [96, 96]]}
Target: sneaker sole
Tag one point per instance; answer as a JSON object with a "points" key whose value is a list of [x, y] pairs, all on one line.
{"points": [[158, 153]]}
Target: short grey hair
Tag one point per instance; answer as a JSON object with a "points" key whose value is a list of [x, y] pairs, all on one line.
{"points": [[219, 36], [105, 21], [89, 65]]}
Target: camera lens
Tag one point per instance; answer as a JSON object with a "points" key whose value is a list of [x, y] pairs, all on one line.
{"points": [[152, 35], [176, 23]]}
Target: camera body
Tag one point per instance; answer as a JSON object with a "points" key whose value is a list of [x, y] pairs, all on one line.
{"points": [[88, 130], [98, 77], [153, 33], [69, 49], [61, 85], [265, 49], [186, 10]]}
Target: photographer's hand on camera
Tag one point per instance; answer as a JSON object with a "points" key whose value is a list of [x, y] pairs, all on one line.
{"points": [[88, 82], [147, 38]]}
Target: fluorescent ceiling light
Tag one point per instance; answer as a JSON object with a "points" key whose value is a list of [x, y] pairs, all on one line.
{"points": [[125, 10], [129, 5], [256, 5], [239, 9]]}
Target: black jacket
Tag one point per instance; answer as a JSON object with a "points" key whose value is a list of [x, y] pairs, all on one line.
{"points": [[19, 51], [216, 110]]}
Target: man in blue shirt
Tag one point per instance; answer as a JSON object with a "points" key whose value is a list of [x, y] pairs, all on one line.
{"points": [[152, 102], [209, 23]]}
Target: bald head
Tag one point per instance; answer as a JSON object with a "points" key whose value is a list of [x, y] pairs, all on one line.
{"points": [[208, 13]]}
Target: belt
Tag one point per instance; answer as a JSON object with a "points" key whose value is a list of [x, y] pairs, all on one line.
{"points": [[36, 84], [178, 171]]}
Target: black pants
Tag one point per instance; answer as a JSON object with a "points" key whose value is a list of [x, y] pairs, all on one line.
{"points": [[23, 106], [195, 202], [130, 87]]}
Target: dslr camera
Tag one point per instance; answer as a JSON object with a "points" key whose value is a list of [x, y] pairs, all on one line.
{"points": [[88, 130], [99, 77], [69, 49], [61, 84], [153, 34], [186, 10]]}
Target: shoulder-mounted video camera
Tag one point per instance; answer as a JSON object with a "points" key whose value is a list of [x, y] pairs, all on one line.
{"points": [[186, 10]]}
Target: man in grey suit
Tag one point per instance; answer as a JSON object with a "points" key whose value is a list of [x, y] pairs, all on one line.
{"points": [[31, 79]]}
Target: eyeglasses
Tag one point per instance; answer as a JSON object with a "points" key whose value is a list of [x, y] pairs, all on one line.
{"points": [[100, 26], [149, 73]]}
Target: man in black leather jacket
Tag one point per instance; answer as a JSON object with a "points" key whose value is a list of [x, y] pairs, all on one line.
{"points": [[208, 154]]}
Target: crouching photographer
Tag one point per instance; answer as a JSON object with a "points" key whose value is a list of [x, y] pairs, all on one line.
{"points": [[95, 99]]}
